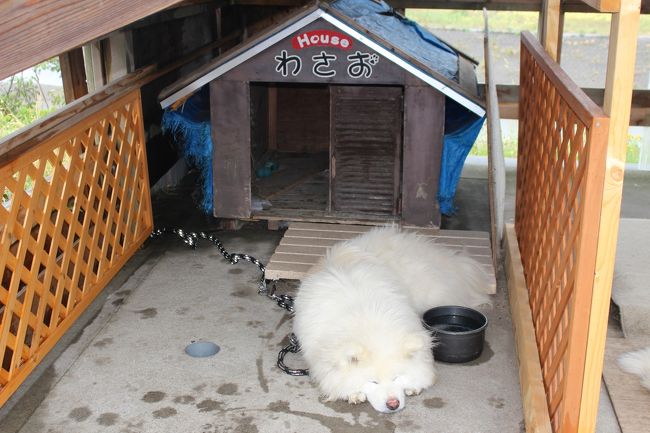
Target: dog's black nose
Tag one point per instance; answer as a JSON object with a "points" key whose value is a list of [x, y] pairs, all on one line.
{"points": [[392, 404]]}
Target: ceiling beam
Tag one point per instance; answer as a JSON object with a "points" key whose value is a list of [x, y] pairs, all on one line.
{"points": [[31, 32]]}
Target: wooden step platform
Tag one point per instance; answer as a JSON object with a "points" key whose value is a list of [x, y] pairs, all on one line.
{"points": [[304, 244]]}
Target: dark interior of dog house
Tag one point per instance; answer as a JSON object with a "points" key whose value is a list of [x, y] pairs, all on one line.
{"points": [[365, 173]]}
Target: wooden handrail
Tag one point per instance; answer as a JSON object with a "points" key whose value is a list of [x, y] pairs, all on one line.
{"points": [[578, 101], [24, 139]]}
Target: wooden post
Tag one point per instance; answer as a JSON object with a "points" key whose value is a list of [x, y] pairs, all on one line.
{"points": [[560, 35], [118, 59], [231, 155], [496, 162], [73, 74], [273, 118], [550, 24], [219, 25], [618, 97], [424, 124]]}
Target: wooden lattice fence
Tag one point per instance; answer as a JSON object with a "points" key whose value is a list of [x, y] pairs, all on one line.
{"points": [[560, 173], [75, 206]]}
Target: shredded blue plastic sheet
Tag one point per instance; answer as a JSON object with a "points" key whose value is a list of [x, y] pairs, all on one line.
{"points": [[190, 126], [456, 147]]}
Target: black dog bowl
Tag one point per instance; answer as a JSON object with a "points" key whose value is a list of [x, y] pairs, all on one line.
{"points": [[458, 333]]}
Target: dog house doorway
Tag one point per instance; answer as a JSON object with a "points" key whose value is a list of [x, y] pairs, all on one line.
{"points": [[323, 151]]}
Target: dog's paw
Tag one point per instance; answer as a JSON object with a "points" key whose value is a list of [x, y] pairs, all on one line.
{"points": [[413, 391], [356, 398]]}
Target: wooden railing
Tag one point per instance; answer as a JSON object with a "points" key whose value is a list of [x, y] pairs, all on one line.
{"points": [[560, 173], [75, 206]]}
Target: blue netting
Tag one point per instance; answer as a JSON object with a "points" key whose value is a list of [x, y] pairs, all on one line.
{"points": [[190, 125]]}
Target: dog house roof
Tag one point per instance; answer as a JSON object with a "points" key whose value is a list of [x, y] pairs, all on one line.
{"points": [[371, 23]]}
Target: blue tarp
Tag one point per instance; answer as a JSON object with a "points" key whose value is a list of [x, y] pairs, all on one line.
{"points": [[402, 33], [191, 123]]}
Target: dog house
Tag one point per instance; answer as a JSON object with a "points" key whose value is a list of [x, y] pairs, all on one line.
{"points": [[339, 113]]}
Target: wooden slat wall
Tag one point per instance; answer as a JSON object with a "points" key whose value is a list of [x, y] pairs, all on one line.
{"points": [[560, 172], [366, 134], [74, 208]]}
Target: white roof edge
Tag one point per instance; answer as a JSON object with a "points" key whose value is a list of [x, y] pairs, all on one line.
{"points": [[446, 90], [311, 17], [241, 58]]}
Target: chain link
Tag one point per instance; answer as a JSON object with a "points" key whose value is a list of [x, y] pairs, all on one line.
{"points": [[190, 239], [283, 301], [293, 347]]}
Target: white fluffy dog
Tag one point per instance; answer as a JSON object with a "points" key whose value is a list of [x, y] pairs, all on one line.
{"points": [[637, 363], [358, 314]]}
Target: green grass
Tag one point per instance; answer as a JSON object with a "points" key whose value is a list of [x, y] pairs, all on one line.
{"points": [[515, 22], [480, 147]]}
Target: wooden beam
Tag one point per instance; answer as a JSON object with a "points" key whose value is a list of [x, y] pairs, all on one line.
{"points": [[604, 5], [73, 74], [533, 395], [549, 30], [618, 97], [18, 142], [36, 31], [640, 110], [496, 162]]}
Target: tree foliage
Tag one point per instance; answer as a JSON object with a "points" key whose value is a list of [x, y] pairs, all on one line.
{"points": [[23, 99]]}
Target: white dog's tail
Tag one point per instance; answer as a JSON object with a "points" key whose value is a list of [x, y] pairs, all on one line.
{"points": [[637, 363]]}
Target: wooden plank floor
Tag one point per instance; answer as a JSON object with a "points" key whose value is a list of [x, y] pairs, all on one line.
{"points": [[304, 244]]}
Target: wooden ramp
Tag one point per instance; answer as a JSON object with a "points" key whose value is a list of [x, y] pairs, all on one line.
{"points": [[304, 244]]}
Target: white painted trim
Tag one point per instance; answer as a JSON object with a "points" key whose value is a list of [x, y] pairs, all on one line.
{"points": [[241, 58], [446, 90], [251, 52]]}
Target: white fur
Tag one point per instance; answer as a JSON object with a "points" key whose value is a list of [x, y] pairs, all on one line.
{"points": [[358, 314], [637, 363]]}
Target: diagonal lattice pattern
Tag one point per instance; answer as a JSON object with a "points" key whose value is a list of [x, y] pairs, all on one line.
{"points": [[560, 171], [74, 208]]}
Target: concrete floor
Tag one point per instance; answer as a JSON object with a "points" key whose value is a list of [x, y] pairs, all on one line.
{"points": [[123, 368]]}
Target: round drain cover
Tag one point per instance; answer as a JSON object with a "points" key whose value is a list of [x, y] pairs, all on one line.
{"points": [[202, 349]]}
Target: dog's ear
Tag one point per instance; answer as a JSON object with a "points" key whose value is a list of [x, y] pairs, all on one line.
{"points": [[415, 342]]}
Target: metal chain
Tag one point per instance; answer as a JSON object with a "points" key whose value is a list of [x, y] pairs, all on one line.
{"points": [[293, 347], [190, 239], [283, 301]]}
